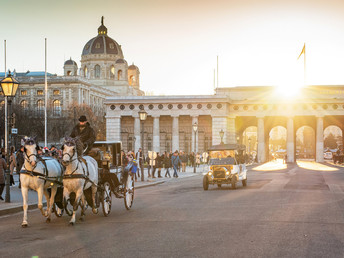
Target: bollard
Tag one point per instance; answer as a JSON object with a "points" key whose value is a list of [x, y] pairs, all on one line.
{"points": [[7, 184]]}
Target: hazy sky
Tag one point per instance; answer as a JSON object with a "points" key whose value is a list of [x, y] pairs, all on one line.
{"points": [[175, 42]]}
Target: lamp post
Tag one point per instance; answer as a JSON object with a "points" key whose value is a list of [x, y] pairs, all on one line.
{"points": [[194, 127], [9, 87], [143, 117], [249, 146], [221, 136]]}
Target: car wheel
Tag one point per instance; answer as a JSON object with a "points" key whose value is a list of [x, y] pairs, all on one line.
{"points": [[219, 185], [244, 182], [205, 183]]}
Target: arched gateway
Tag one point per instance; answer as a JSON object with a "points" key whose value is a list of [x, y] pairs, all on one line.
{"points": [[232, 110]]}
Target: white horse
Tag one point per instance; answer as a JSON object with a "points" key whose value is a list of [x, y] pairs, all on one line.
{"points": [[78, 177], [39, 174]]}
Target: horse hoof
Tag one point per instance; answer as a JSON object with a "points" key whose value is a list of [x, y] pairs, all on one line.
{"points": [[95, 211], [24, 225], [48, 220], [71, 223], [81, 219]]}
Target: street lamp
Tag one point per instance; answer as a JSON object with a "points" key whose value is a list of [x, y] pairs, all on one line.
{"points": [[143, 117], [221, 136], [249, 145], [194, 127], [9, 87]]}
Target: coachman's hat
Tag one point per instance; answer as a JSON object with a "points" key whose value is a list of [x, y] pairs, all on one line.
{"points": [[82, 119]]}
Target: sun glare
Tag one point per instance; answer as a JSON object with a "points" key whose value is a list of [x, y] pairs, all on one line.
{"points": [[288, 89]]}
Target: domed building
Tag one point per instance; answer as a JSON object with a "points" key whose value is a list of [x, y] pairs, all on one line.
{"points": [[103, 64]]}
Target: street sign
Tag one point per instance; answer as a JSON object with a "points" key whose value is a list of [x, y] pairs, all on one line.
{"points": [[14, 130]]}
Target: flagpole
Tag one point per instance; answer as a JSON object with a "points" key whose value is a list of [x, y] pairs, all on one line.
{"points": [[214, 81], [6, 111], [46, 96], [217, 85], [304, 67]]}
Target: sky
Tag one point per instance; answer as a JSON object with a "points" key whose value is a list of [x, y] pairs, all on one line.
{"points": [[175, 43]]}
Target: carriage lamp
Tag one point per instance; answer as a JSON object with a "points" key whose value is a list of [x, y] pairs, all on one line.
{"points": [[222, 133], [194, 128], [9, 87]]}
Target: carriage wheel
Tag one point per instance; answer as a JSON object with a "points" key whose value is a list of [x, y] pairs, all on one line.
{"points": [[58, 212], [106, 199], [129, 192]]}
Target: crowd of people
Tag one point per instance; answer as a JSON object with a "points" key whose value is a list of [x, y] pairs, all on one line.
{"points": [[164, 162]]}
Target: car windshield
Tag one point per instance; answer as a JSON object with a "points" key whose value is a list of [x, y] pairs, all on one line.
{"points": [[224, 161]]}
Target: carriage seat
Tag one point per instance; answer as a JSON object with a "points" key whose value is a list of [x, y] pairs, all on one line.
{"points": [[95, 153]]}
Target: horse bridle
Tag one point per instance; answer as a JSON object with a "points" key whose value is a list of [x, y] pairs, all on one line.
{"points": [[70, 156]]}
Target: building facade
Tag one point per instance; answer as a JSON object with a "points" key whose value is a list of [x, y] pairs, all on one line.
{"points": [[233, 110]]}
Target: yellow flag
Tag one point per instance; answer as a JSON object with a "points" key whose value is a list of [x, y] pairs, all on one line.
{"points": [[303, 51]]}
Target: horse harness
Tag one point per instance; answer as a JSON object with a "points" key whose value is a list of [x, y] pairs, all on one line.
{"points": [[84, 175], [43, 175]]}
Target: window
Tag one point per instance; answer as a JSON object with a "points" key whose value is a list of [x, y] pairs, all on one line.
{"points": [[23, 92], [69, 73], [119, 74], [112, 72], [98, 45], [131, 79], [40, 92], [56, 92], [40, 107], [24, 104], [112, 45], [85, 71], [97, 71], [56, 108]]}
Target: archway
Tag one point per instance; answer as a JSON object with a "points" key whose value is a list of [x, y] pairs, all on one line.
{"points": [[305, 143], [250, 140], [277, 143], [333, 142]]}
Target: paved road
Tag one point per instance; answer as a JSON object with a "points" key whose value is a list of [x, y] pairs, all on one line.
{"points": [[284, 212]]}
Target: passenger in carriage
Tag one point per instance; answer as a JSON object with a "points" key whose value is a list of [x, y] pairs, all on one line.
{"points": [[86, 134]]}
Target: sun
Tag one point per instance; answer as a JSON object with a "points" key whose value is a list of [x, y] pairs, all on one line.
{"points": [[288, 89]]}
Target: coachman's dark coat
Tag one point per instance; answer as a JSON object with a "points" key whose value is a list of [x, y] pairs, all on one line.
{"points": [[87, 136]]}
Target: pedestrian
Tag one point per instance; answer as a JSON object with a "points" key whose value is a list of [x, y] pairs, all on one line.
{"points": [[86, 135], [167, 164], [175, 162], [149, 166], [140, 159], [131, 167], [124, 159], [12, 165], [198, 159], [20, 161], [184, 159], [2, 176]]}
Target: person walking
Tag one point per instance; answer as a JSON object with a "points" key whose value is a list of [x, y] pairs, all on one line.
{"points": [[175, 162], [12, 165], [20, 161], [184, 159], [2, 176], [198, 159], [140, 160], [167, 164], [160, 162]]}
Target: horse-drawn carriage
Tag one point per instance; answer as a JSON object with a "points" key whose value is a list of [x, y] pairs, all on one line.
{"points": [[90, 179]]}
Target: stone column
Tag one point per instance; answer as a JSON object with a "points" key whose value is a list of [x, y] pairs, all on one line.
{"points": [[261, 141], [113, 128], [137, 133], [320, 140], [156, 134], [175, 133], [290, 140], [194, 148]]}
